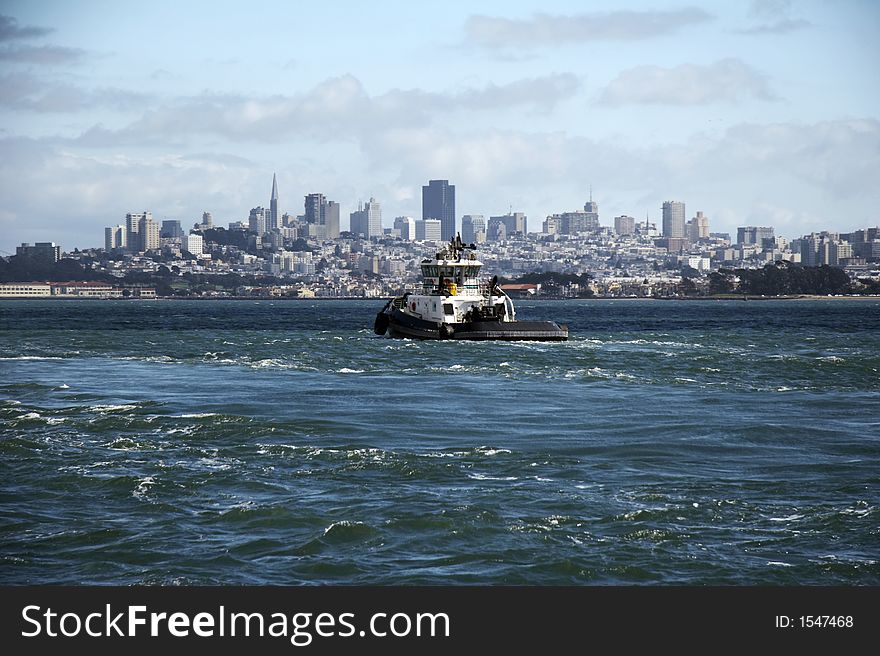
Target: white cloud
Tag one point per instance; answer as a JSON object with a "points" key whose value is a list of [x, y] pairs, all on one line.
{"points": [[688, 84], [546, 29], [336, 108], [29, 93]]}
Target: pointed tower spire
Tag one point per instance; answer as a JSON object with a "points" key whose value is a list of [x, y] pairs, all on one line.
{"points": [[591, 193], [273, 205]]}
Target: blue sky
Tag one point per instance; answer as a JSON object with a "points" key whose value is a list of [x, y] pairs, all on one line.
{"points": [[755, 112]]}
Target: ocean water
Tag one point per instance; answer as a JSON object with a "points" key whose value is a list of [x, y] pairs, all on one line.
{"points": [[224, 442]]}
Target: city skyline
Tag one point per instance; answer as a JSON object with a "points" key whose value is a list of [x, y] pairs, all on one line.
{"points": [[758, 114]]}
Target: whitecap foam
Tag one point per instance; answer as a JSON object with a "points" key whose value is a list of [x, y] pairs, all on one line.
{"points": [[485, 477], [346, 370]]}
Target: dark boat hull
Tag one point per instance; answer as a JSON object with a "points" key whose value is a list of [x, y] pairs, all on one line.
{"points": [[400, 324]]}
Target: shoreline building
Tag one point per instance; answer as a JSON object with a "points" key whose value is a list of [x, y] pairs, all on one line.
{"points": [[438, 202]]}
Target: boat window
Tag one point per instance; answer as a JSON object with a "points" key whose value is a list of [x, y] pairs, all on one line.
{"points": [[448, 310]]}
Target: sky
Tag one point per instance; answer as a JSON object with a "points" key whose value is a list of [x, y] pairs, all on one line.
{"points": [[755, 113]]}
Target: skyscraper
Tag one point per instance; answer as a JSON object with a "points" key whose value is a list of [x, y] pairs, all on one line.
{"points": [[438, 202], [257, 220], [114, 238], [407, 227], [315, 208], [367, 220], [171, 229], [473, 228], [673, 220], [133, 226], [698, 228], [274, 217], [331, 219], [148, 234]]}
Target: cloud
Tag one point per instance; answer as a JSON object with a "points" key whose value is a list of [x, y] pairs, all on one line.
{"points": [[688, 84], [779, 27], [336, 108], [44, 55], [773, 17], [9, 30], [26, 92], [547, 29]]}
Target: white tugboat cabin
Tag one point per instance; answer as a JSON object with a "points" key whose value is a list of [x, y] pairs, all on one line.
{"points": [[456, 303]]}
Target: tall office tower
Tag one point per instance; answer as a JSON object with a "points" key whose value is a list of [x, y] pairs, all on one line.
{"points": [[148, 234], [673, 220], [258, 220], [438, 202], [473, 229], [315, 208], [592, 210], [552, 225], [114, 238], [274, 216], [367, 220], [359, 222], [624, 225], [171, 230], [759, 236], [331, 219], [698, 228], [132, 228], [513, 222], [374, 217], [44, 251], [407, 227], [207, 220], [429, 230]]}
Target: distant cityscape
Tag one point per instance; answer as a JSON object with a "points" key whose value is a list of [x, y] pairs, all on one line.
{"points": [[308, 255]]}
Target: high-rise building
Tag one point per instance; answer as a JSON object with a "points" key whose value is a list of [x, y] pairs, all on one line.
{"points": [[438, 202], [331, 219], [592, 209], [148, 234], [407, 227], [473, 229], [514, 222], [44, 251], [429, 230], [315, 208], [258, 220], [192, 243], [367, 220], [572, 223], [172, 229], [624, 225], [759, 236], [132, 228], [673, 220], [698, 228], [207, 220], [274, 216], [114, 238]]}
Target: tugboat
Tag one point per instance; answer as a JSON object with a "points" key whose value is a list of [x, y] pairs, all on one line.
{"points": [[455, 303]]}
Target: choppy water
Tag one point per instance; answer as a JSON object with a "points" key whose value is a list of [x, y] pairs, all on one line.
{"points": [[283, 443]]}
